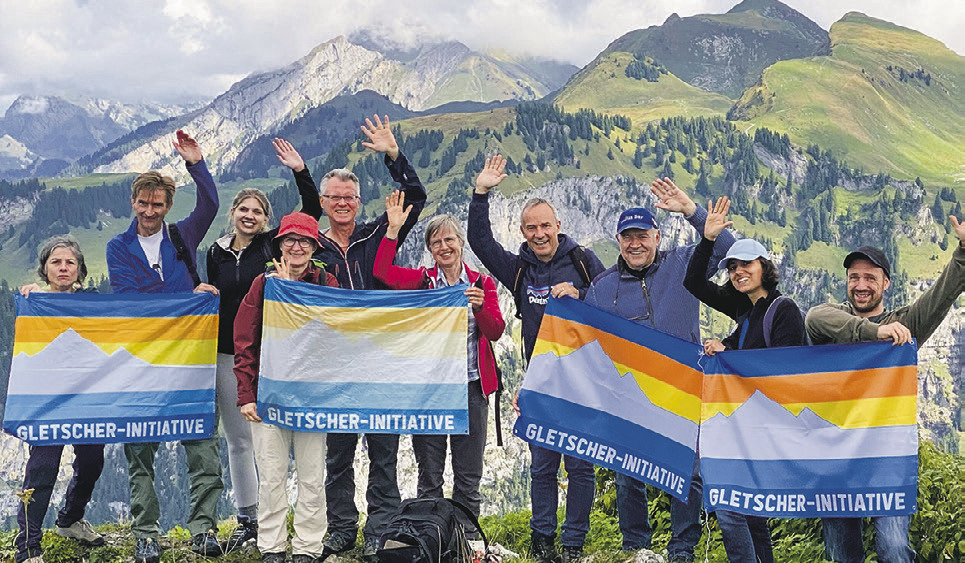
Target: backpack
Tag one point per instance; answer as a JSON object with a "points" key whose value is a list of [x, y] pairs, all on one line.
{"points": [[577, 256], [181, 250], [428, 531]]}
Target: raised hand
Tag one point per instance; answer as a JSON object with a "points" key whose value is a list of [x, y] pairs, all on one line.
{"points": [[282, 269], [491, 174], [959, 229], [717, 218], [287, 155], [380, 137], [671, 198], [188, 148], [396, 212]]}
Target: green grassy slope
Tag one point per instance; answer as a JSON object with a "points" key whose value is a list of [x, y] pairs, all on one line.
{"points": [[604, 86], [851, 103]]}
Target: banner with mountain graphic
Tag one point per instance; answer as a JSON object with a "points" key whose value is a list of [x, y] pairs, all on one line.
{"points": [[610, 391], [337, 360], [811, 431], [97, 369]]}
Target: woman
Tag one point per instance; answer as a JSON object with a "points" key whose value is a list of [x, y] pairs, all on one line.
{"points": [[445, 240], [297, 239], [234, 261], [63, 269], [751, 298]]}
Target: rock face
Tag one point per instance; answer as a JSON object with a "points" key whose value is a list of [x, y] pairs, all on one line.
{"points": [[52, 127], [727, 53], [262, 103]]}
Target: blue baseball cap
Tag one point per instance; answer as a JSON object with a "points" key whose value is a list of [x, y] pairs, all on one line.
{"points": [[636, 218], [745, 249]]}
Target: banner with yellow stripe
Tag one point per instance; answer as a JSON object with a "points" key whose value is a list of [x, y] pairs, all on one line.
{"points": [[91, 368]]}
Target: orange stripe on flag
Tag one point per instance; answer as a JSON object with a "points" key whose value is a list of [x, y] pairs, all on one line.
{"points": [[813, 387]]}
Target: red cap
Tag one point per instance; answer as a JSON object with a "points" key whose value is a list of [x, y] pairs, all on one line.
{"points": [[300, 224]]}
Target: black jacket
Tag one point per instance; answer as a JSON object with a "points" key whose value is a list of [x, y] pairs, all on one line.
{"points": [[353, 268], [787, 328]]}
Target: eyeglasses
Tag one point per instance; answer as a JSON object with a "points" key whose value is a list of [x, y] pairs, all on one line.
{"points": [[289, 242], [341, 198]]}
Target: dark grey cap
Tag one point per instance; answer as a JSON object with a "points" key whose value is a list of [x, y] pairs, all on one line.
{"points": [[871, 254]]}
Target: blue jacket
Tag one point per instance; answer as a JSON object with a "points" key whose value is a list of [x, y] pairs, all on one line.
{"points": [[127, 265], [540, 276], [660, 301]]}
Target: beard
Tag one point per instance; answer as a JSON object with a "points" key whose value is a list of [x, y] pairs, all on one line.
{"points": [[871, 305]]}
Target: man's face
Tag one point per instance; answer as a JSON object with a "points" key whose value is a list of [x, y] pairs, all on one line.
{"points": [[638, 246], [540, 229], [867, 284], [340, 202], [150, 207]]}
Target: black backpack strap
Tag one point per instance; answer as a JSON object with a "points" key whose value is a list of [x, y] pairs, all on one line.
{"points": [[181, 250], [578, 256], [472, 519], [517, 289]]}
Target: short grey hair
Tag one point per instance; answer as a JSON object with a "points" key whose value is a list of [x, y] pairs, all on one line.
{"points": [[343, 174], [533, 203], [62, 242], [438, 222]]}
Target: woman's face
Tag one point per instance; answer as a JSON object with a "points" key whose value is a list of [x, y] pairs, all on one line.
{"points": [[62, 270], [445, 247], [746, 276], [249, 218], [297, 250]]}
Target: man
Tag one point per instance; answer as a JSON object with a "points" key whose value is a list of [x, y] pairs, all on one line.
{"points": [[864, 318], [645, 287], [548, 264], [145, 259], [348, 250]]}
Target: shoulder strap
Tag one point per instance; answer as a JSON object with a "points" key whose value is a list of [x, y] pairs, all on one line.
{"points": [[517, 289], [181, 250], [769, 318], [578, 256]]}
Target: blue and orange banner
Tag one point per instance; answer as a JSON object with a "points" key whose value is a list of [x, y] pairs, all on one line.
{"points": [[96, 369], [337, 360], [613, 392], [811, 431]]}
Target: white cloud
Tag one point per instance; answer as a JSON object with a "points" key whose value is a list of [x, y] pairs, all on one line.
{"points": [[182, 49]]}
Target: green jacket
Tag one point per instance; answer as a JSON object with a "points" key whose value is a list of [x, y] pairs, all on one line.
{"points": [[837, 322]]}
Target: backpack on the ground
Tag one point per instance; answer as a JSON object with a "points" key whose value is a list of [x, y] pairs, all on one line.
{"points": [[428, 531]]}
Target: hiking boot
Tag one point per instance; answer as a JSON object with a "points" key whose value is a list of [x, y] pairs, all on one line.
{"points": [[246, 531], [273, 558], [680, 559], [544, 548], [572, 554], [206, 544], [147, 551], [337, 543], [303, 558], [81, 531], [370, 551]]}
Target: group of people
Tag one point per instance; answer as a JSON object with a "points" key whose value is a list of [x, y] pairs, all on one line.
{"points": [[657, 287]]}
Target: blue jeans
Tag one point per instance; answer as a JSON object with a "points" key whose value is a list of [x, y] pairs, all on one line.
{"points": [[685, 519], [544, 491], [747, 539], [632, 509], [842, 539]]}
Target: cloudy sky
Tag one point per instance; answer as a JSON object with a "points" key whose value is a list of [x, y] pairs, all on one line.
{"points": [[190, 50]]}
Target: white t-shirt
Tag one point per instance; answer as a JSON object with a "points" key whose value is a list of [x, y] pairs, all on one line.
{"points": [[152, 249]]}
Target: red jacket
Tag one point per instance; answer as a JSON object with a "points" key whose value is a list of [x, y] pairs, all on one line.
{"points": [[489, 319], [248, 331]]}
